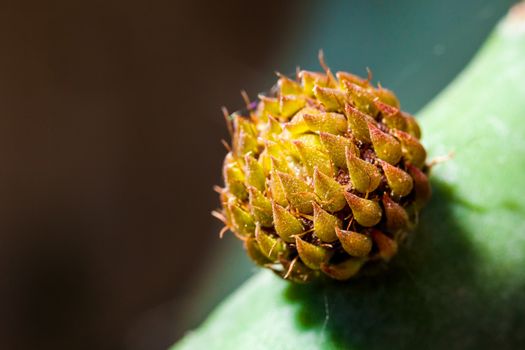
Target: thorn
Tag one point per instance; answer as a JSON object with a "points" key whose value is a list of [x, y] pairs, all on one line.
{"points": [[350, 223], [441, 159], [223, 231], [226, 145], [297, 71], [327, 71], [369, 72], [217, 189], [246, 99], [219, 215], [290, 268], [228, 120]]}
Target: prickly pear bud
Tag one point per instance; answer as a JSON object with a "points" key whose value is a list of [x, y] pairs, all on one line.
{"points": [[325, 176]]}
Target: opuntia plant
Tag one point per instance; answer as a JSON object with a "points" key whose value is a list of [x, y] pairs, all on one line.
{"points": [[458, 283]]}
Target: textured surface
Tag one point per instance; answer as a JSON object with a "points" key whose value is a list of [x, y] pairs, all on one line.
{"points": [[461, 283]]}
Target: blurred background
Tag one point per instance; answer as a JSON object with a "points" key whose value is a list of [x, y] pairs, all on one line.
{"points": [[110, 130]]}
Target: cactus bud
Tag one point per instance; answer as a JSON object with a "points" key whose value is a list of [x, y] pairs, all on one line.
{"points": [[312, 171]]}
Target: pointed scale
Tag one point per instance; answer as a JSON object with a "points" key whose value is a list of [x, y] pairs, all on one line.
{"points": [[329, 191], [286, 225], [242, 221], [344, 270], [413, 151], [254, 252], [254, 174], [387, 96], [354, 243], [361, 98], [272, 247], [312, 157], [289, 105], [288, 86], [325, 224], [392, 116], [277, 190], [298, 124], [385, 145], [365, 177], [234, 177], [345, 76], [311, 79], [396, 216], [260, 207], [332, 99], [421, 186], [336, 145], [386, 245], [412, 126], [358, 123], [399, 181], [333, 123], [311, 255], [297, 192], [366, 212]]}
